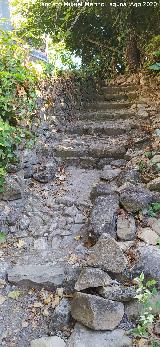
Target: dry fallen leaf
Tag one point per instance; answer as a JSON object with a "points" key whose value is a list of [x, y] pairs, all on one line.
{"points": [[20, 243], [2, 299], [77, 238], [14, 294], [55, 302]]}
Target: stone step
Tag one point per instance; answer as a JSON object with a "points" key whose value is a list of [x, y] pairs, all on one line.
{"points": [[119, 88], [103, 96], [109, 105], [110, 128], [90, 146], [106, 115]]}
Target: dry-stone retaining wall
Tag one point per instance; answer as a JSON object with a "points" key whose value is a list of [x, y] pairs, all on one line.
{"points": [[75, 212]]}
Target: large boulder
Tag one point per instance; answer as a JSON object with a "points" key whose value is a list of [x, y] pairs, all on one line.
{"points": [[92, 277], [84, 337], [126, 227], [148, 262], [103, 216], [12, 189], [47, 275], [107, 255], [53, 341], [95, 312], [135, 198]]}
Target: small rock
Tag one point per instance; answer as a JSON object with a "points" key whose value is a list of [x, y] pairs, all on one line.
{"points": [[45, 173], [83, 337], [155, 225], [155, 159], [48, 275], [157, 328], [103, 189], [148, 262], [118, 293], [108, 174], [91, 277], [135, 198], [126, 228], [118, 162], [61, 316], [12, 189], [125, 245], [148, 235], [24, 222], [154, 184], [131, 176], [53, 341], [95, 312], [40, 243], [107, 255], [103, 216]]}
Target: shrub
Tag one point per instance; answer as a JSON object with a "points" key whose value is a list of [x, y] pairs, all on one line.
{"points": [[18, 84]]}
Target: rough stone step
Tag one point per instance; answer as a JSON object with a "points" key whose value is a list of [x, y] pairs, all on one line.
{"points": [[115, 97], [104, 115], [109, 105], [90, 146], [119, 88], [109, 128]]}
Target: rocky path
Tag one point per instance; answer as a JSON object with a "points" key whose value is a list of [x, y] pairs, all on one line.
{"points": [[70, 213]]}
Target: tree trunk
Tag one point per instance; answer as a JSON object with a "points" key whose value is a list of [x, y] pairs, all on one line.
{"points": [[132, 50]]}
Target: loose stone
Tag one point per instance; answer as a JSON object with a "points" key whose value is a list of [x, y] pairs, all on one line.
{"points": [[53, 341], [135, 198], [148, 262], [103, 216], [61, 316], [118, 293], [148, 235], [95, 312], [103, 189], [108, 174], [84, 337], [12, 189], [126, 227], [47, 275], [154, 184], [45, 173], [91, 277], [107, 255]]}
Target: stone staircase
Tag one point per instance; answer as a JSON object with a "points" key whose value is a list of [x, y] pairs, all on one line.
{"points": [[79, 228], [105, 129]]}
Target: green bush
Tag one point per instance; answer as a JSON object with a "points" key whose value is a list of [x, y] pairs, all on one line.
{"points": [[18, 84]]}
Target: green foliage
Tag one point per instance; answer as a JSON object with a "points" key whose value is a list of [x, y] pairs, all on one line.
{"points": [[105, 37], [145, 293], [18, 78], [18, 83], [142, 166], [9, 137], [2, 237], [153, 209]]}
